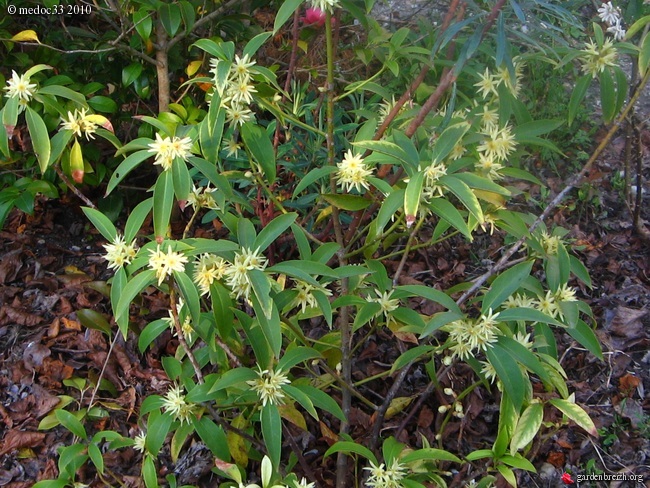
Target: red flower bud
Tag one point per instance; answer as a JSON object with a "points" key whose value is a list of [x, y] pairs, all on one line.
{"points": [[314, 16]]}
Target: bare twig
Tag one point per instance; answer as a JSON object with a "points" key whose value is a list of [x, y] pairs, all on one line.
{"points": [[72, 187]]}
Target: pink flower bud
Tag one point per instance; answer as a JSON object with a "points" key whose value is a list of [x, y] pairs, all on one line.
{"points": [[314, 16]]}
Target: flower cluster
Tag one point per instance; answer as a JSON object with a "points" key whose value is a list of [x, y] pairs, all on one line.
{"points": [[498, 145], [201, 197], [168, 149], [119, 253], [489, 82], [473, 335], [174, 403], [432, 174], [305, 297], [269, 386], [208, 269], [353, 172], [596, 58], [234, 86], [237, 273], [384, 477], [79, 122], [164, 264], [612, 17], [386, 303], [21, 88]]}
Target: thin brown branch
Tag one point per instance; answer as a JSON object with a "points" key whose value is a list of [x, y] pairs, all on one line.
{"points": [[72, 187]]}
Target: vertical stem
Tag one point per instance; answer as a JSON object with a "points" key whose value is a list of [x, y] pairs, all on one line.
{"points": [[344, 318], [162, 67]]}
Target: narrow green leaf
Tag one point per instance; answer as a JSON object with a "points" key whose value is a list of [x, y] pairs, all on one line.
{"points": [[261, 149], [507, 474], [256, 42], [131, 290], [150, 333], [586, 337], [578, 94], [101, 223], [351, 203], [92, 319], [96, 457], [190, 295], [509, 373], [272, 432], [213, 436], [505, 285], [607, 95], [100, 103], [302, 398], [527, 427], [446, 211], [644, 55], [313, 176], [149, 472], [158, 426], [271, 326], [188, 14], [70, 422], [575, 413], [447, 140], [63, 92], [136, 218], [125, 167], [233, 377], [285, 11], [273, 230], [429, 454], [323, 401], [385, 147], [163, 201], [352, 448], [295, 356], [40, 137], [262, 289], [519, 462], [528, 315], [412, 197], [464, 194]]}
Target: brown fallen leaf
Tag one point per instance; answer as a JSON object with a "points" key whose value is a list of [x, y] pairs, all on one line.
{"points": [[17, 439], [10, 265], [9, 314]]}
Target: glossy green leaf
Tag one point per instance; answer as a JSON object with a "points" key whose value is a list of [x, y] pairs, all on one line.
{"points": [[429, 454], [272, 432], [295, 356], [273, 230], [63, 92], [170, 16], [322, 400], [313, 176], [607, 95], [136, 218], [213, 436], [505, 285], [412, 196], [40, 137], [385, 147], [447, 140], [262, 289], [103, 104], [446, 211], [233, 377], [260, 147], [508, 475], [163, 201], [131, 73], [270, 324], [190, 295], [586, 337], [464, 194], [285, 11], [96, 457], [429, 293], [101, 223], [644, 55], [352, 448], [575, 413], [92, 319], [131, 290], [347, 202], [509, 373], [577, 96], [125, 167], [519, 462], [527, 427], [70, 422], [149, 472], [158, 426], [143, 23], [150, 333], [528, 315], [188, 14]]}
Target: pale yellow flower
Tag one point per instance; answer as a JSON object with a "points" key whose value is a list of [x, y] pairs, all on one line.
{"points": [[164, 264], [269, 386], [488, 84], [386, 303], [119, 253], [20, 87], [595, 59], [174, 403], [167, 149], [208, 269], [353, 172], [79, 122]]}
